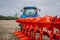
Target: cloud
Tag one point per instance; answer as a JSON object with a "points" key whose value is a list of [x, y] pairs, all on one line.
{"points": [[48, 7]]}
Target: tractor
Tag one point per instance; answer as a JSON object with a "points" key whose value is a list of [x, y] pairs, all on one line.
{"points": [[29, 12]]}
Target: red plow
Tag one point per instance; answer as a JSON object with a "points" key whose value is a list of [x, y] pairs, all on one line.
{"points": [[33, 28]]}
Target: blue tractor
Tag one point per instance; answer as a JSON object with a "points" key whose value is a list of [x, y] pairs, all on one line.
{"points": [[29, 12]]}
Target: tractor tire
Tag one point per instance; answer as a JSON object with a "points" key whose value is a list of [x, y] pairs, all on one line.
{"points": [[20, 27]]}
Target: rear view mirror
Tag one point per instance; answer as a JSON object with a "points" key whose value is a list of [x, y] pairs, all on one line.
{"points": [[22, 10], [39, 10]]}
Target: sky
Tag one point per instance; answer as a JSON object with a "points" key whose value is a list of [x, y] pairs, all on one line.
{"points": [[48, 7]]}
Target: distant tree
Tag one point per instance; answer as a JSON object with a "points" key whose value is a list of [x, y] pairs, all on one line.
{"points": [[0, 16], [7, 18]]}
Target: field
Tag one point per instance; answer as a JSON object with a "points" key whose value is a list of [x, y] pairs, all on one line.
{"points": [[7, 28]]}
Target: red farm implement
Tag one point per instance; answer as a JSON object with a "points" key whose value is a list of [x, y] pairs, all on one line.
{"points": [[34, 28]]}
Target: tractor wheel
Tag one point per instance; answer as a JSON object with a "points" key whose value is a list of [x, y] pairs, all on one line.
{"points": [[20, 27]]}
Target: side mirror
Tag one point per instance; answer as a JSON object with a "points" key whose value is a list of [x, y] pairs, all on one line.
{"points": [[39, 10], [22, 10]]}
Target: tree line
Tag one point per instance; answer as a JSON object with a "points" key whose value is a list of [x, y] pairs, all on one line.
{"points": [[7, 17]]}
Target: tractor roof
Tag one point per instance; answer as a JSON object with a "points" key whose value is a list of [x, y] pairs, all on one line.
{"points": [[30, 7]]}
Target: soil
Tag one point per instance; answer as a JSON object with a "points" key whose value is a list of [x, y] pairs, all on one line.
{"points": [[7, 29]]}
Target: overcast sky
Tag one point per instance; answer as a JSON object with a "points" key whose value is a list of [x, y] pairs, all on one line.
{"points": [[48, 7]]}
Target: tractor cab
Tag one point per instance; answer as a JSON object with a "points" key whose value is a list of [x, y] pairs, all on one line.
{"points": [[29, 12]]}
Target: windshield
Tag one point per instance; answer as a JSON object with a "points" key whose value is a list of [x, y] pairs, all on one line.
{"points": [[30, 12]]}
